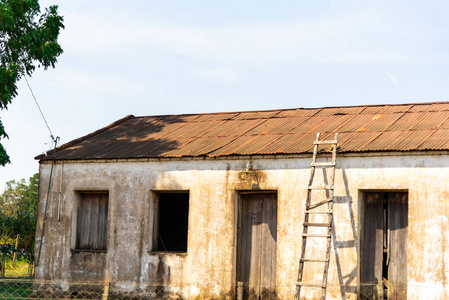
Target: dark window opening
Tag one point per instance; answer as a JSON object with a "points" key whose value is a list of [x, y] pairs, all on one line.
{"points": [[172, 222], [92, 221]]}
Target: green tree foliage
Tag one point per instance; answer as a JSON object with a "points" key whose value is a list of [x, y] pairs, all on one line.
{"points": [[27, 38], [18, 212]]}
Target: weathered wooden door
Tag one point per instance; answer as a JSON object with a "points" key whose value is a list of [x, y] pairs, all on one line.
{"points": [[384, 252], [257, 237]]}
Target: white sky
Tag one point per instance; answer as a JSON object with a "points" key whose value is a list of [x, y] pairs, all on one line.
{"points": [[173, 57]]}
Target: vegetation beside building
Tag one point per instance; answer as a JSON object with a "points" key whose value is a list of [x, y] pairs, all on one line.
{"points": [[18, 211]]}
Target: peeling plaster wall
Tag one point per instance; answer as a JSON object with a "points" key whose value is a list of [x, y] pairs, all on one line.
{"points": [[208, 269]]}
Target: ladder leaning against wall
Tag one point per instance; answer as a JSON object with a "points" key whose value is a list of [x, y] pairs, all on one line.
{"points": [[311, 205]]}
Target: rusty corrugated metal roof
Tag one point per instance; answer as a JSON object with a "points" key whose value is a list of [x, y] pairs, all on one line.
{"points": [[405, 127]]}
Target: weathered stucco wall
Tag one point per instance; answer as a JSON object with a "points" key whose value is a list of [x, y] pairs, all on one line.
{"points": [[209, 267]]}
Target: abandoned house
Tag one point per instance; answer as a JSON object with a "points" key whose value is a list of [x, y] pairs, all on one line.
{"points": [[204, 204]]}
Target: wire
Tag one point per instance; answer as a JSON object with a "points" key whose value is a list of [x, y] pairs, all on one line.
{"points": [[55, 141], [42, 114]]}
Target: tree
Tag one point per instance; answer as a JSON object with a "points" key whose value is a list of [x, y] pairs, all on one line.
{"points": [[18, 211], [27, 38]]}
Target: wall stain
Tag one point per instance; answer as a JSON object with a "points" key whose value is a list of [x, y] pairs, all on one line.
{"points": [[140, 249], [163, 271], [251, 180]]}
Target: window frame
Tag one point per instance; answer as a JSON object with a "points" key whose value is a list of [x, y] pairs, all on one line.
{"points": [[156, 219], [75, 215]]}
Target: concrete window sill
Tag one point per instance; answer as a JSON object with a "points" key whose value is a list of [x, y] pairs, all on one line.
{"points": [[87, 250]]}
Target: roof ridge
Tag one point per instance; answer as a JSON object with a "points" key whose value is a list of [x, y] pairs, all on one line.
{"points": [[222, 112], [294, 108]]}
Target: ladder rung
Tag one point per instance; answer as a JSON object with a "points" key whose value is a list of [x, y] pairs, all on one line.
{"points": [[323, 212], [323, 164], [317, 224], [318, 285], [315, 205], [321, 187], [313, 260], [325, 142], [315, 235]]}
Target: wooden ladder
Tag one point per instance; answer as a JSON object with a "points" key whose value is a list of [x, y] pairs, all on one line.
{"points": [[328, 187]]}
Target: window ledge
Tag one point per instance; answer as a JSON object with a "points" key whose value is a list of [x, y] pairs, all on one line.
{"points": [[182, 253], [88, 250]]}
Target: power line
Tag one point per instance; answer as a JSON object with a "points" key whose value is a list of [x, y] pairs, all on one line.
{"points": [[42, 114]]}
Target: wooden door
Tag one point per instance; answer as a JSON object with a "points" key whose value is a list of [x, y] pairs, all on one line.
{"points": [[257, 245], [398, 224], [384, 241]]}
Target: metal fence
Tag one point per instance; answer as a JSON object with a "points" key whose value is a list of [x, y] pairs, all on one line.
{"points": [[13, 289], [381, 290], [37, 289], [372, 291]]}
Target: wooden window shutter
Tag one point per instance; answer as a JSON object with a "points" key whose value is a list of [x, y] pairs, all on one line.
{"points": [[92, 221]]}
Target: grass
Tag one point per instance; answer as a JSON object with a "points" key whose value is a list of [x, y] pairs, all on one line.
{"points": [[17, 270], [12, 290]]}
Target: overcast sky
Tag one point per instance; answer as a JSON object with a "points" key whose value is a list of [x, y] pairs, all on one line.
{"points": [[175, 57]]}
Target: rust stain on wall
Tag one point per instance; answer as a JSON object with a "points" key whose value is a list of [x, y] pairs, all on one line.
{"points": [[251, 180]]}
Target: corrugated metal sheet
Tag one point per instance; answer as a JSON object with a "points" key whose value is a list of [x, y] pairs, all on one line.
{"points": [[420, 120], [421, 107], [437, 141], [439, 106], [390, 109], [289, 131], [445, 125], [235, 127], [310, 124], [281, 125], [286, 125], [356, 141], [299, 112], [256, 115], [397, 141], [333, 123], [289, 142], [196, 129], [380, 122], [245, 145], [356, 123], [216, 116], [200, 147], [341, 111]]}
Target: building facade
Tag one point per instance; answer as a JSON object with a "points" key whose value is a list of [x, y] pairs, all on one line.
{"points": [[200, 209]]}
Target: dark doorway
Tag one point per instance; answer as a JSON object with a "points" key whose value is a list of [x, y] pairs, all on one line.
{"points": [[256, 254], [171, 222], [384, 241]]}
